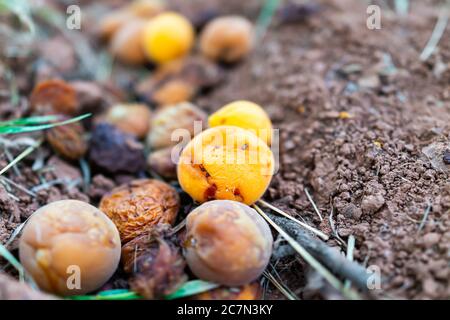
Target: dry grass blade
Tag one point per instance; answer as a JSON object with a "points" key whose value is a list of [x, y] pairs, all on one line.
{"points": [[350, 249], [25, 153], [437, 33], [313, 204], [425, 217], [279, 286], [316, 265], [304, 225]]}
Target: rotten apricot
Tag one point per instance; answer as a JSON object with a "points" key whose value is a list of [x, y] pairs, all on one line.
{"points": [[130, 118], [140, 205], [226, 163], [126, 43], [246, 115], [70, 237], [227, 39], [167, 37], [54, 96], [227, 242], [68, 140]]}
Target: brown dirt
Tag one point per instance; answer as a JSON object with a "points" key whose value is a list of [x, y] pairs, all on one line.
{"points": [[363, 125]]}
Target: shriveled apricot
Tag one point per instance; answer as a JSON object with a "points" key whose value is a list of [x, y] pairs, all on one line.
{"points": [[68, 140], [227, 39], [226, 163], [131, 118], [168, 119], [126, 43], [164, 161], [227, 242], [251, 291], [173, 91], [139, 205], [167, 37], [68, 239], [54, 97], [246, 115]]}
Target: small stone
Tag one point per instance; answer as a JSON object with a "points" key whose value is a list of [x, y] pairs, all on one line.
{"points": [[431, 239]]}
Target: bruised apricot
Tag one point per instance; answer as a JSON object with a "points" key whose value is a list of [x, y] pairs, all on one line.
{"points": [[227, 39], [170, 118], [70, 247], [227, 242], [136, 207], [54, 97], [226, 163], [167, 37], [126, 43], [130, 118], [246, 115]]}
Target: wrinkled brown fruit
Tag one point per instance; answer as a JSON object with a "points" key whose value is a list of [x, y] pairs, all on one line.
{"points": [[54, 97], [161, 162], [250, 291], [139, 206], [114, 151], [68, 140], [126, 43], [155, 262]]}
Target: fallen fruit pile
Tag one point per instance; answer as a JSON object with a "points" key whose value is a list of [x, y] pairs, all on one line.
{"points": [[225, 241]]}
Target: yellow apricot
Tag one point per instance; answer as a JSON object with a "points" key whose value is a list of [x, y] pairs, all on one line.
{"points": [[246, 115], [167, 37], [226, 163]]}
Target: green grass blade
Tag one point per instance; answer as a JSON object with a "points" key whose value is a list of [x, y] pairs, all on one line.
{"points": [[115, 294], [21, 9], [191, 288], [13, 261], [29, 121], [23, 129]]}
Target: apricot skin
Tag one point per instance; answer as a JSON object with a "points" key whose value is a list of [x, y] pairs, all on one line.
{"points": [[139, 205], [167, 37], [126, 43], [246, 115], [69, 233], [54, 96], [227, 39], [227, 242], [226, 163], [130, 118]]}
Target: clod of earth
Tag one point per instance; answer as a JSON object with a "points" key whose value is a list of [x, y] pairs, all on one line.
{"points": [[70, 238], [227, 242], [246, 115], [226, 163], [139, 206], [227, 39], [167, 37]]}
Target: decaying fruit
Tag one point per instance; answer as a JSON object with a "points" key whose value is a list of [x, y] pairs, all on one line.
{"points": [[155, 263], [114, 151], [227, 242], [246, 115], [126, 43], [131, 118], [179, 81], [67, 238], [227, 39], [164, 161], [115, 20], [68, 140], [251, 291], [54, 97], [170, 118], [167, 37], [226, 163], [138, 206]]}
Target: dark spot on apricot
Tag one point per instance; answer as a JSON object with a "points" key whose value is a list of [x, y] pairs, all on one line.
{"points": [[210, 193]]}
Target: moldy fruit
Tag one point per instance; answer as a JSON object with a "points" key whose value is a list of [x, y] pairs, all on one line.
{"points": [[227, 242], [69, 233], [167, 37], [246, 115], [227, 39], [226, 163], [139, 206]]}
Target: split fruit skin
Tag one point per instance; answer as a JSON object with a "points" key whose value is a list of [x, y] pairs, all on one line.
{"points": [[246, 115], [167, 37], [227, 242], [140, 205], [226, 163], [227, 39], [64, 236]]}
